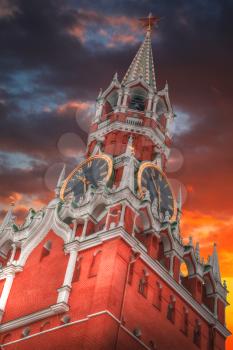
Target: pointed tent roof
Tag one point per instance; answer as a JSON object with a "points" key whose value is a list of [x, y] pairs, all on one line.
{"points": [[143, 64], [215, 264]]}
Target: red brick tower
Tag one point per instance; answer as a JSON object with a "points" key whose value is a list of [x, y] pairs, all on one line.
{"points": [[100, 267]]}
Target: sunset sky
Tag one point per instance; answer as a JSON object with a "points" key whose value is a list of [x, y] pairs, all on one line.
{"points": [[54, 58]]}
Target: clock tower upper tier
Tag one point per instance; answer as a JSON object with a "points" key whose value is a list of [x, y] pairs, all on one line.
{"points": [[134, 107]]}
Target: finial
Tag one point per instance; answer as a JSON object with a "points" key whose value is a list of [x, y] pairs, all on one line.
{"points": [[60, 181], [197, 251], [149, 22], [191, 241], [215, 264], [9, 217], [179, 205], [115, 77], [100, 93]]}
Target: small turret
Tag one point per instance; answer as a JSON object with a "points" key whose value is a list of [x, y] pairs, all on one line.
{"points": [[197, 251], [60, 181], [9, 218], [215, 264]]}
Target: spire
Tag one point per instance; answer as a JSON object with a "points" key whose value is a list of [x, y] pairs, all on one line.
{"points": [[215, 264], [179, 205], [197, 251], [9, 217], [60, 181], [142, 65]]}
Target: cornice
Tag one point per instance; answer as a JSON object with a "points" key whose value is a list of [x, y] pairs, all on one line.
{"points": [[154, 134], [36, 316]]}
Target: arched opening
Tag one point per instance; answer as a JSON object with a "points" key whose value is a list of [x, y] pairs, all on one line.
{"points": [[186, 270], [161, 107], [138, 97], [112, 99], [99, 211], [207, 293], [110, 103]]}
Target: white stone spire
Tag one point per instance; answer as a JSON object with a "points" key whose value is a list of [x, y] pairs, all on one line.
{"points": [[9, 217], [142, 65], [60, 181], [215, 264]]}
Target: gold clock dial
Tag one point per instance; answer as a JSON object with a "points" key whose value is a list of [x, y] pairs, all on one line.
{"points": [[90, 172], [151, 178]]}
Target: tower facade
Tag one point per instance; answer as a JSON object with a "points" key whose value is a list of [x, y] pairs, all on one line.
{"points": [[100, 266]]}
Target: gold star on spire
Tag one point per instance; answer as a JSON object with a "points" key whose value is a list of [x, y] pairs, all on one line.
{"points": [[149, 22]]}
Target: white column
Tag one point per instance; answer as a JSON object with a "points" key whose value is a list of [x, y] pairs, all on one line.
{"points": [[64, 291], [171, 264], [119, 100], [121, 223], [70, 268], [149, 105], [84, 228], [5, 292], [125, 98], [155, 101], [74, 229]]}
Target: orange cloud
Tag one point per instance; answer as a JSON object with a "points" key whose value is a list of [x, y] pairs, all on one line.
{"points": [[77, 105], [122, 38], [7, 9]]}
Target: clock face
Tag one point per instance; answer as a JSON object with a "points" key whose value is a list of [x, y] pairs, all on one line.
{"points": [[90, 172], [151, 178]]}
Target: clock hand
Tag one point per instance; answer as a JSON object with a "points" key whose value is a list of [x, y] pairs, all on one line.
{"points": [[85, 182], [158, 191]]}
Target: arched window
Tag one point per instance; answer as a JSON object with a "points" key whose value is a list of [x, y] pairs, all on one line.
{"points": [[185, 321], [138, 99], [143, 284], [158, 296], [95, 264], [197, 333], [161, 107], [112, 100], [211, 343], [171, 309], [77, 270]]}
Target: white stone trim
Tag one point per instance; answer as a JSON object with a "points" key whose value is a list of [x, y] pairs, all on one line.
{"points": [[154, 134], [5, 293], [76, 322], [36, 316]]}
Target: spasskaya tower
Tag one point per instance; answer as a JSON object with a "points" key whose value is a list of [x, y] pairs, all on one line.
{"points": [[100, 266]]}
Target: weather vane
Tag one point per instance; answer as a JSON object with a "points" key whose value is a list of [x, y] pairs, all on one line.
{"points": [[149, 22]]}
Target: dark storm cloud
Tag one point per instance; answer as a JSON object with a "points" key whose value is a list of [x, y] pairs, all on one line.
{"points": [[54, 52]]}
